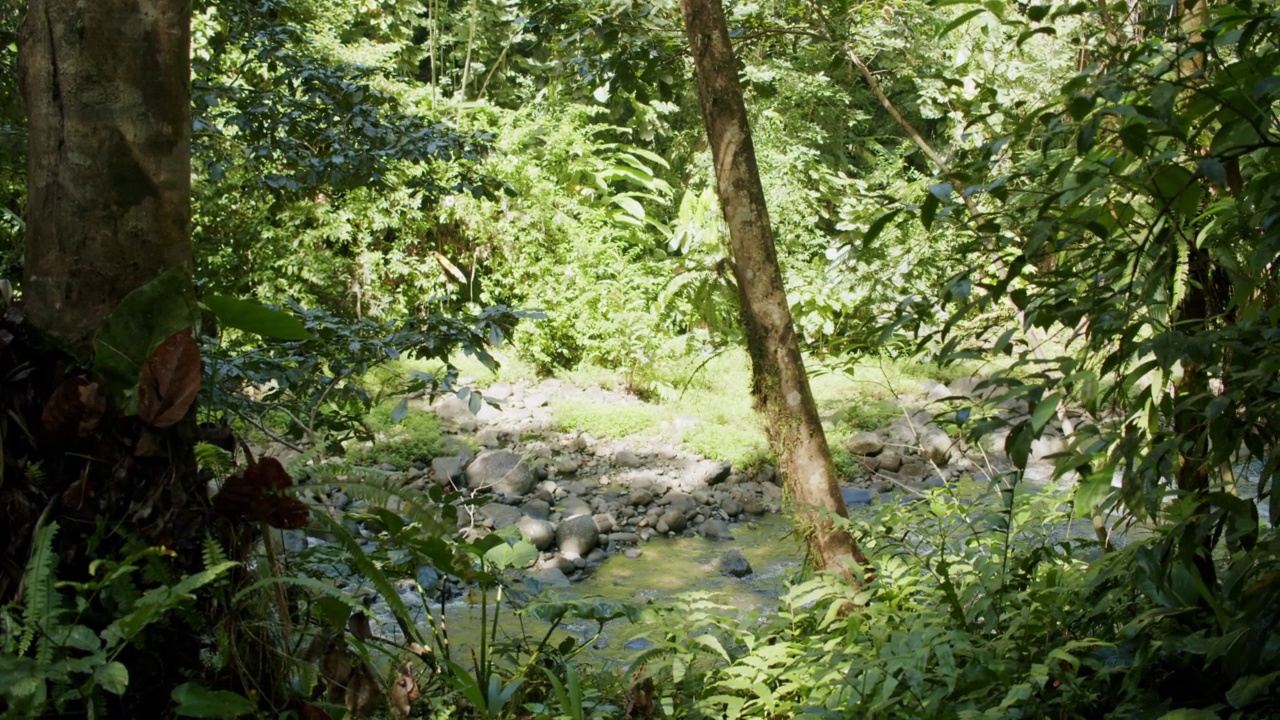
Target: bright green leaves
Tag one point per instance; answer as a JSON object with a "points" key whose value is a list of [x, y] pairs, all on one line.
{"points": [[253, 317]]}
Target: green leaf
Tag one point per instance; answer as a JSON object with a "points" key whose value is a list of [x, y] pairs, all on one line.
{"points": [[254, 317], [196, 701], [1018, 445], [966, 17], [143, 320], [112, 677], [1044, 411], [878, 226], [928, 210]]}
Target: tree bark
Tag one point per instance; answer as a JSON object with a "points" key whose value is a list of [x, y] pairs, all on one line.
{"points": [[107, 90], [780, 383]]}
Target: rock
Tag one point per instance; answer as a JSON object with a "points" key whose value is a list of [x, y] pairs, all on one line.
{"points": [[499, 392], [858, 496], [715, 530], [605, 522], [577, 536], [537, 508], [632, 553], [626, 459], [932, 482], [752, 506], [674, 519], [865, 443], [502, 472], [935, 444], [639, 644], [733, 564], [446, 470], [1045, 446], [767, 474], [639, 498], [574, 506], [499, 515], [538, 533], [731, 507], [488, 414], [680, 502], [455, 412], [706, 473], [550, 576], [623, 537], [889, 460], [489, 437], [567, 466], [913, 468], [934, 390]]}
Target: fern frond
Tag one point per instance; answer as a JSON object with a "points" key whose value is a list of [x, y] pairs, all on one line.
{"points": [[213, 553], [413, 505], [214, 459], [319, 587], [365, 565], [40, 599]]}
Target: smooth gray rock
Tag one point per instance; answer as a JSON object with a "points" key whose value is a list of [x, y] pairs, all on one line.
{"points": [[639, 498], [446, 470], [706, 473], [675, 520], [502, 472], [865, 443], [537, 508], [626, 459], [715, 530], [489, 438], [537, 532], [577, 536], [731, 507], [455, 412], [733, 564], [574, 506], [680, 502], [499, 515], [935, 445], [890, 460], [605, 522], [550, 576]]}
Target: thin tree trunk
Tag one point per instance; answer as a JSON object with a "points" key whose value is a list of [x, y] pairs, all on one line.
{"points": [[780, 384], [107, 92]]}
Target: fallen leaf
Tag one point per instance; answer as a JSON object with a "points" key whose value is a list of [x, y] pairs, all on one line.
{"points": [[170, 380]]}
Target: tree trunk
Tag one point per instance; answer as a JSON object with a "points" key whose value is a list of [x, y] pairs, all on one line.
{"points": [[780, 384], [107, 90], [107, 94]]}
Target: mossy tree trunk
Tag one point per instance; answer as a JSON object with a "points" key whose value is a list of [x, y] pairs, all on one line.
{"points": [[780, 383], [107, 90], [106, 86]]}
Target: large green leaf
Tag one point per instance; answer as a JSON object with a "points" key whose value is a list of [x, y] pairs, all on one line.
{"points": [[143, 320], [256, 318]]}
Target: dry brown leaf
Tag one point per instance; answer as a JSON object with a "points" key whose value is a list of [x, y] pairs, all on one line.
{"points": [[170, 381]]}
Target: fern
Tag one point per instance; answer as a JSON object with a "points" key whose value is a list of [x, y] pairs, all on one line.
{"points": [[214, 459], [40, 598], [370, 570], [213, 553]]}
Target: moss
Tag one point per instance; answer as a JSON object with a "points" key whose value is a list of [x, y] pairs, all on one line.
{"points": [[417, 438], [606, 421]]}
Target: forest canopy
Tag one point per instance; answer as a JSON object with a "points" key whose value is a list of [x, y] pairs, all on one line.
{"points": [[266, 266]]}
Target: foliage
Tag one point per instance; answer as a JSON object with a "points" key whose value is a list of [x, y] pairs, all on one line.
{"points": [[305, 391], [415, 438], [616, 421], [52, 657]]}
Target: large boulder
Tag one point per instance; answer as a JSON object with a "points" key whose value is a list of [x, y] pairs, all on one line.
{"points": [[577, 536], [733, 564], [706, 473], [858, 496], [680, 502], [715, 530], [539, 533], [935, 444], [865, 443], [502, 472], [499, 515], [446, 470]]}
